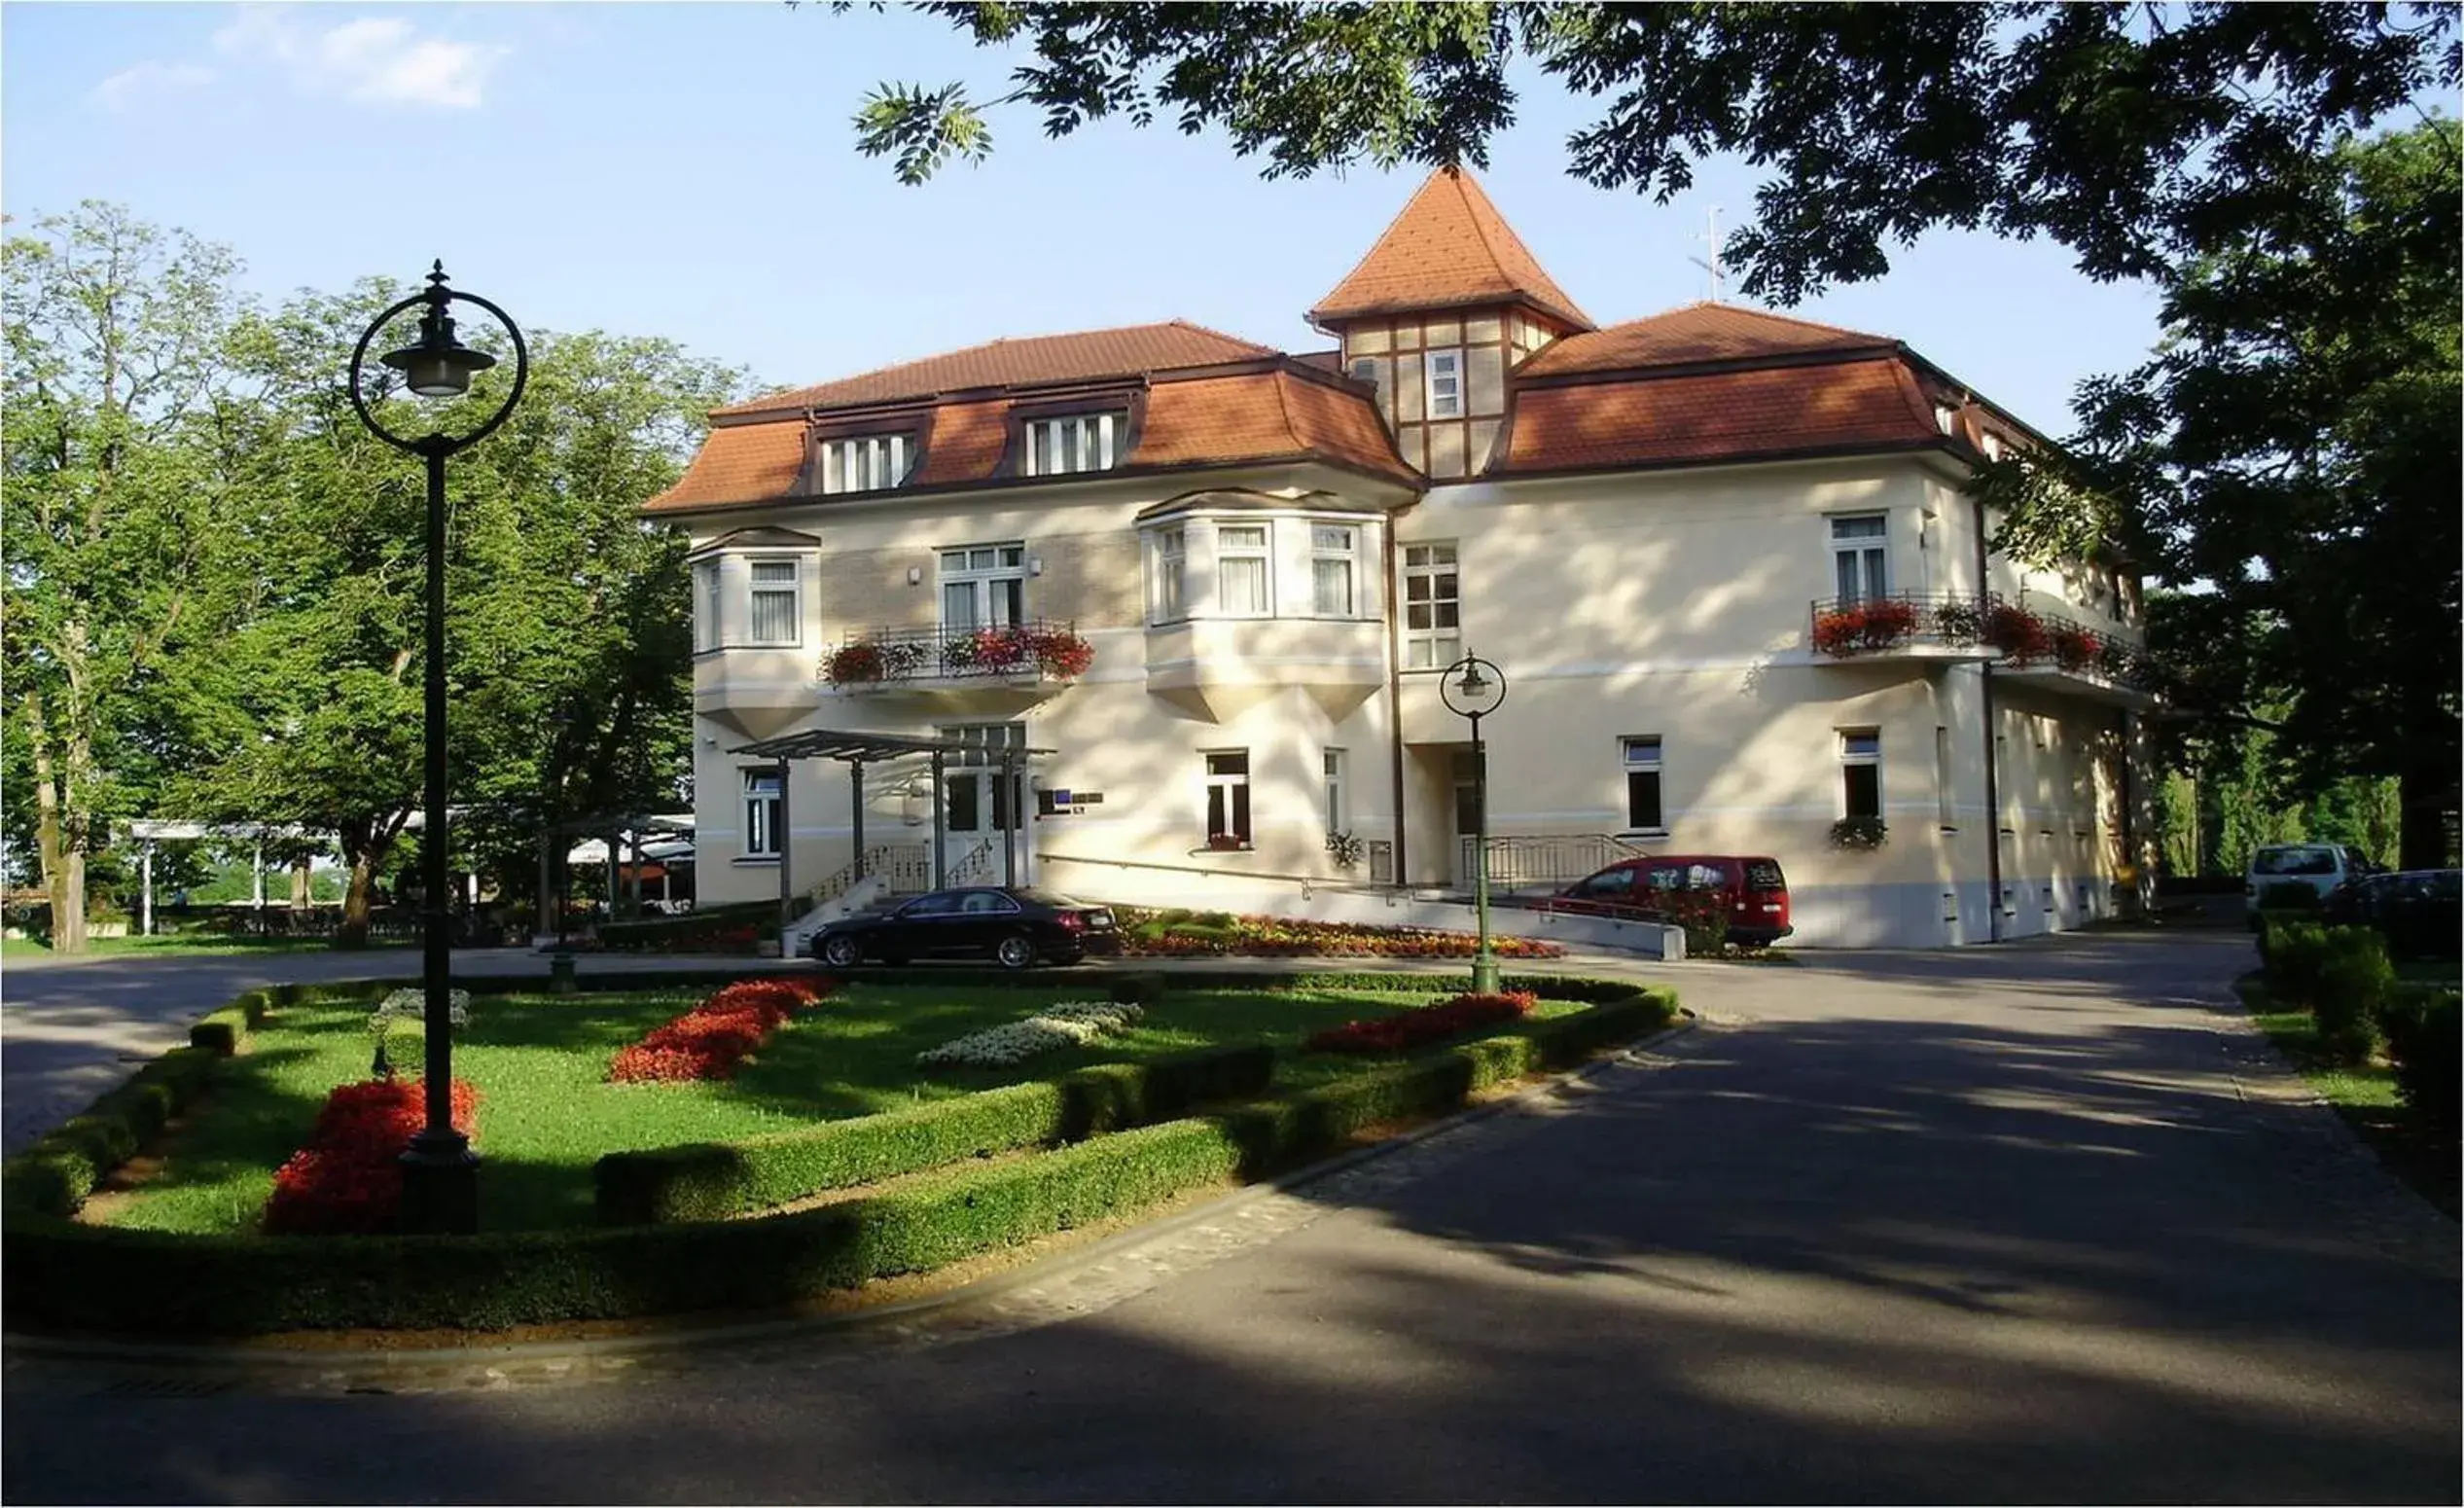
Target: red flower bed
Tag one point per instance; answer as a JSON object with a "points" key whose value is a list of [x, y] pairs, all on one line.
{"points": [[1451, 1018], [708, 1041], [1276, 937], [348, 1178]]}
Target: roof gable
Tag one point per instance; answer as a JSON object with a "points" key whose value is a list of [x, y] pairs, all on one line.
{"points": [[1132, 350], [1449, 247]]}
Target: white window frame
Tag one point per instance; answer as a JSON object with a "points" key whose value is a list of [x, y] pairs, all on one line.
{"points": [[793, 589], [1348, 554], [761, 836], [1172, 574], [864, 463], [1262, 552], [1852, 757], [1333, 761], [1236, 797], [982, 578], [1444, 402], [1644, 754], [1073, 442], [705, 605], [1945, 808], [1864, 557], [1432, 647]]}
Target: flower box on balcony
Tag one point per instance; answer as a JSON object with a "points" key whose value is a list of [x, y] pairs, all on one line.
{"points": [[2019, 634], [1863, 628], [2074, 648], [854, 664]]}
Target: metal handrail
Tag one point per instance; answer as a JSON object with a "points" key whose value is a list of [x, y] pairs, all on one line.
{"points": [[942, 653], [1536, 858]]}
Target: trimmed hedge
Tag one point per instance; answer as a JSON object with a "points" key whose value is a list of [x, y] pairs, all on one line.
{"points": [[717, 1180], [63, 1275], [2425, 1041]]}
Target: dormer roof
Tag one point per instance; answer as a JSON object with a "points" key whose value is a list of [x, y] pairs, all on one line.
{"points": [[1450, 248]]}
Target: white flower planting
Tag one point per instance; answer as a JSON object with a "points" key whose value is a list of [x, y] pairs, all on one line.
{"points": [[1069, 1023]]}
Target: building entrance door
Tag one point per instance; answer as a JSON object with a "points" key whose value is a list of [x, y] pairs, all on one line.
{"points": [[1466, 810], [983, 812]]}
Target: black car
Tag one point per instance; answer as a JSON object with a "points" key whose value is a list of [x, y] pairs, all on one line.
{"points": [[1016, 926], [2419, 911]]}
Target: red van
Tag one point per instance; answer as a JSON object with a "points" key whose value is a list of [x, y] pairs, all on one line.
{"points": [[1752, 891]]}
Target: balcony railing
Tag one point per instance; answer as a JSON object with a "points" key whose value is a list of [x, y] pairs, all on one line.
{"points": [[2019, 637], [1040, 650]]}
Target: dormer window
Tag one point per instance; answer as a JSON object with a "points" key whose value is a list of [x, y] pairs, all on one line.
{"points": [[1078, 442], [864, 463]]}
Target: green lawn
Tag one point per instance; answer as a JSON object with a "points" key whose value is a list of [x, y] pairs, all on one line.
{"points": [[2364, 1096], [178, 944], [546, 1112]]}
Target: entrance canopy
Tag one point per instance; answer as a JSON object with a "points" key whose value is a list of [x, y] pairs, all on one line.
{"points": [[830, 743], [855, 750]]}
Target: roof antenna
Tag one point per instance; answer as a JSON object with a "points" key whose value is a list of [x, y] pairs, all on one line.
{"points": [[1711, 240]]}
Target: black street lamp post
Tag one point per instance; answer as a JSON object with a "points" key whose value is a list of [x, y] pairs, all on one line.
{"points": [[1474, 687], [440, 1182]]}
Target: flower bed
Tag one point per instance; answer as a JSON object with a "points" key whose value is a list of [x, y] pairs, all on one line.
{"points": [[347, 1180], [1449, 1018], [708, 1041], [1070, 1023], [1170, 935]]}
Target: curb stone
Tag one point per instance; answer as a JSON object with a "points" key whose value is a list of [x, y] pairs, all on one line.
{"points": [[1064, 1286]]}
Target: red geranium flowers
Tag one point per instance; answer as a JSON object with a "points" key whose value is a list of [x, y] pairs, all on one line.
{"points": [[1449, 1018], [348, 1178], [708, 1041]]}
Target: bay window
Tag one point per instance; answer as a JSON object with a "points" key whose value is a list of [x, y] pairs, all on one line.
{"points": [[778, 616], [1242, 570], [1171, 575], [705, 605], [1334, 564]]}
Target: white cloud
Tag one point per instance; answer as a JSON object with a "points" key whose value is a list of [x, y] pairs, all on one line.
{"points": [[374, 59], [147, 79]]}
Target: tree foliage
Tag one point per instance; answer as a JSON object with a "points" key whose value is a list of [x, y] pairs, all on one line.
{"points": [[2131, 133]]}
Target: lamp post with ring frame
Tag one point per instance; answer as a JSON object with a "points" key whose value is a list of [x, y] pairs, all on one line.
{"points": [[440, 1183], [1474, 687]]}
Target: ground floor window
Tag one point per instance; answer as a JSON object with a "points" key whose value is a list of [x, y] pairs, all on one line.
{"points": [[1861, 772], [760, 813], [1335, 791], [1228, 798], [1642, 784]]}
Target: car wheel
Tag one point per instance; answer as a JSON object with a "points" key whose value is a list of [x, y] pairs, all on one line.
{"points": [[841, 953], [1015, 952]]}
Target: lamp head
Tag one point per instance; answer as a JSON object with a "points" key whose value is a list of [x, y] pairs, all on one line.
{"points": [[439, 366], [1473, 687]]}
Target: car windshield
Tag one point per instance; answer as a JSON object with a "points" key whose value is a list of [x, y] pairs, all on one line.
{"points": [[2294, 861]]}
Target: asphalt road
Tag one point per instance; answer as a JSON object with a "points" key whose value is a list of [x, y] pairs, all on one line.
{"points": [[2041, 1222]]}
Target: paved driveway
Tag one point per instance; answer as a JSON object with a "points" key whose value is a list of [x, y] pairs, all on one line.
{"points": [[2041, 1222]]}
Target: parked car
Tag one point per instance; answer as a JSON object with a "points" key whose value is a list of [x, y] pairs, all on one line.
{"points": [[1752, 892], [2420, 911], [2321, 866], [1014, 927]]}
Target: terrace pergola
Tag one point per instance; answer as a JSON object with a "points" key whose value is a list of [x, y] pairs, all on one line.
{"points": [[856, 750]]}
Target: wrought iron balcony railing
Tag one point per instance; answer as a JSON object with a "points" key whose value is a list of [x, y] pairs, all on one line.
{"points": [[2019, 637], [1039, 650]]}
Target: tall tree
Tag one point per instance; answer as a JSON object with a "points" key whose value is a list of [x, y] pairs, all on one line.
{"points": [[566, 628], [119, 458], [2293, 450]]}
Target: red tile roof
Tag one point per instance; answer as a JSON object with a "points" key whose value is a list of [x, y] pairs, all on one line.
{"points": [[1449, 247], [1693, 333], [1276, 413], [1869, 403], [1132, 350]]}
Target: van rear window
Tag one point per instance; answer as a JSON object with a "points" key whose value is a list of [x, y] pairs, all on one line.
{"points": [[1764, 875], [2294, 861]]}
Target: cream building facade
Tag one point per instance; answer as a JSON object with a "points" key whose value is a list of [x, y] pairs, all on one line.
{"points": [[1724, 559]]}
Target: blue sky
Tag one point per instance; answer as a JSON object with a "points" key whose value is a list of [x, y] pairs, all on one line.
{"points": [[689, 170]]}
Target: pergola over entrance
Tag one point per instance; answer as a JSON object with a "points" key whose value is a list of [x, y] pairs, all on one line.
{"points": [[856, 749]]}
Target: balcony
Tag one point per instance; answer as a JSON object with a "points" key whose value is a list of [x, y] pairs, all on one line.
{"points": [[1903, 626], [2027, 645], [1002, 668]]}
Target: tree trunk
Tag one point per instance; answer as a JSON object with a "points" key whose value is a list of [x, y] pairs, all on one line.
{"points": [[356, 902], [63, 864], [301, 895], [2428, 801]]}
